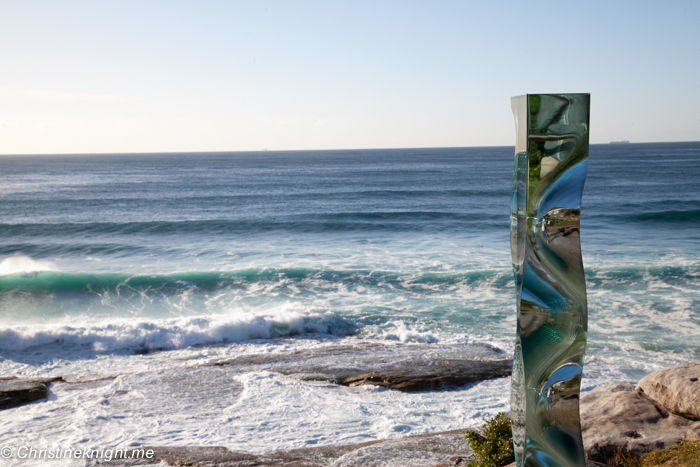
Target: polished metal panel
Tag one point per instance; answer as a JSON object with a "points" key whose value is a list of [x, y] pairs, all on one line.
{"points": [[551, 157]]}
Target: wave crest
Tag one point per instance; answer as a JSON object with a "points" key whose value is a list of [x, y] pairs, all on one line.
{"points": [[22, 264], [175, 333]]}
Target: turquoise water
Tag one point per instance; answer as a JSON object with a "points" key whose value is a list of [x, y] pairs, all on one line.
{"points": [[367, 237], [106, 258]]}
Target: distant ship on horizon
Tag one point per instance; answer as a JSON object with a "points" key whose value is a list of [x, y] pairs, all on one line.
{"points": [[620, 142]]}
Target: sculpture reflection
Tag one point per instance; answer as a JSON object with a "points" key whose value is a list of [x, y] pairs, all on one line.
{"points": [[550, 168]]}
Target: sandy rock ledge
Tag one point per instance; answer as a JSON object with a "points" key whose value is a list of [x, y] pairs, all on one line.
{"points": [[618, 416], [677, 389], [445, 449]]}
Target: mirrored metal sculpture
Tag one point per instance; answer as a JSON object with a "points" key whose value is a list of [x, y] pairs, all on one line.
{"points": [[551, 156]]}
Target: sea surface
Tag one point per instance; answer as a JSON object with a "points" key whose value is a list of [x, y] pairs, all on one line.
{"points": [[139, 267]]}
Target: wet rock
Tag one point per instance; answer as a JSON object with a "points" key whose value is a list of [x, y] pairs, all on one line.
{"points": [[409, 367], [676, 388], [41, 379], [425, 376], [15, 392], [617, 416]]}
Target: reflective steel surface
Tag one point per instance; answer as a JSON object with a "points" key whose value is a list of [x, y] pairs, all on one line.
{"points": [[550, 169]]}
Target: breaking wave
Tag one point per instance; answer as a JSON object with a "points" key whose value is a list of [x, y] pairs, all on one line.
{"points": [[174, 333]]}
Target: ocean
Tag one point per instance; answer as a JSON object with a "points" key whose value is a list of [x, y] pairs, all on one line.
{"points": [[127, 272]]}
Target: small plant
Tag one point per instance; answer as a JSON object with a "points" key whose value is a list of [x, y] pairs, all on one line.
{"points": [[495, 447], [625, 458]]}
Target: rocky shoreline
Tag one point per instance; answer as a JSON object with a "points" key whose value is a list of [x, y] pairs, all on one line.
{"points": [[415, 368], [663, 408], [419, 367]]}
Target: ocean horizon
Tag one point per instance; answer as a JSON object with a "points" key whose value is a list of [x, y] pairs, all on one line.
{"points": [[283, 151]]}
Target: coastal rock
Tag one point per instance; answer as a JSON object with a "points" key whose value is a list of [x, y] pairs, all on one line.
{"points": [[676, 388], [617, 416], [457, 461], [419, 451], [405, 367], [425, 376], [448, 448], [15, 392]]}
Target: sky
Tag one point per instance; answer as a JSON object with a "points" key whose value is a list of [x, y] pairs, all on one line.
{"points": [[204, 75]]}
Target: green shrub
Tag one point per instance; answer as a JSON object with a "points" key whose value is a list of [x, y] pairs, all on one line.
{"points": [[495, 447], [625, 458]]}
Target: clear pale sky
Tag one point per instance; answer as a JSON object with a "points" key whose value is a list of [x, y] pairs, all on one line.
{"points": [[158, 76]]}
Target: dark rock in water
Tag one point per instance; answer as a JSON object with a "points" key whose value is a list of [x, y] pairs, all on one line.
{"points": [[423, 376], [406, 367], [45, 380], [441, 449], [16, 392], [616, 416], [677, 389]]}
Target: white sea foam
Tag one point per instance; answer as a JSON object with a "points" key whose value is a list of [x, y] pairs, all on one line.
{"points": [[174, 333], [252, 411], [22, 264], [401, 331]]}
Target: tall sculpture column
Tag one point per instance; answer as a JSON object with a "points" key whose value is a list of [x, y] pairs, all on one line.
{"points": [[551, 157]]}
